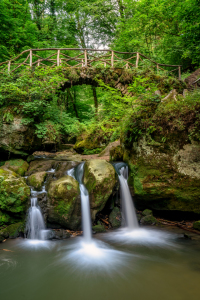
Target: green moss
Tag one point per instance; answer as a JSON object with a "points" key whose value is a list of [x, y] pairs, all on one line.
{"points": [[12, 231], [98, 228], [69, 187], [84, 145], [36, 180], [19, 166], [14, 194], [147, 212], [148, 220], [115, 217], [138, 186], [196, 225]]}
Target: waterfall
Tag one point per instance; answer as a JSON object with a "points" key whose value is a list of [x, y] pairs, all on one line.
{"points": [[35, 223], [128, 210], [35, 226], [77, 173]]}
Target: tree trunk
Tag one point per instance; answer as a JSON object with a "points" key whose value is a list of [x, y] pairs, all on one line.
{"points": [[95, 99], [74, 104]]}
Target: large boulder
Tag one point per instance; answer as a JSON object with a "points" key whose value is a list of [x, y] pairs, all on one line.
{"points": [[99, 179], [63, 167], [14, 194], [165, 176], [86, 144], [17, 138], [64, 206], [36, 180], [12, 231], [40, 165], [19, 166]]}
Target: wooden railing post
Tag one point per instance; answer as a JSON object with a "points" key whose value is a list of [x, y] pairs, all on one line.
{"points": [[157, 66], [9, 64], [126, 65], [137, 59], [82, 63], [104, 64], [179, 72], [38, 64], [31, 58], [85, 54], [58, 58], [112, 59]]}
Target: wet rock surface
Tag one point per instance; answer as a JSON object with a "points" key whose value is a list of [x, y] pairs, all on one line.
{"points": [[99, 179], [115, 217], [36, 180], [64, 203]]}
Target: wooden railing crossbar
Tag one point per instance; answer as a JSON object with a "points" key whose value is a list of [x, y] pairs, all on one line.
{"points": [[84, 59]]}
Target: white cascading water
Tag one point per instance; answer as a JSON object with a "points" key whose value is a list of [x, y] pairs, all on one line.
{"points": [[35, 226], [77, 173], [128, 210], [35, 223]]}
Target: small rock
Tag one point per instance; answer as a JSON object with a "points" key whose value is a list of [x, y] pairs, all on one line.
{"points": [[186, 236], [115, 217], [147, 212], [158, 92], [98, 228], [148, 220], [196, 225]]}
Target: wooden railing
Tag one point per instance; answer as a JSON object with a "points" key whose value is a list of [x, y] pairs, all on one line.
{"points": [[87, 58]]}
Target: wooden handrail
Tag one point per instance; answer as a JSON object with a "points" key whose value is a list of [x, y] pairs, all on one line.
{"points": [[85, 60]]}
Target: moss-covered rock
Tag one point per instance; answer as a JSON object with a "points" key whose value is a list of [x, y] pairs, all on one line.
{"points": [[159, 182], [111, 147], [40, 165], [196, 225], [12, 231], [64, 203], [17, 138], [148, 220], [88, 144], [116, 154], [5, 218], [98, 228], [36, 180], [14, 194], [19, 166], [99, 178], [115, 217], [147, 212]]}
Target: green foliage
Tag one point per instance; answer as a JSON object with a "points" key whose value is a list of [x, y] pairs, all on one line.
{"points": [[7, 200], [92, 151], [8, 117]]}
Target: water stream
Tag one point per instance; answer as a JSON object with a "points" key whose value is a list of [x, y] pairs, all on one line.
{"points": [[35, 225], [128, 211], [77, 173]]}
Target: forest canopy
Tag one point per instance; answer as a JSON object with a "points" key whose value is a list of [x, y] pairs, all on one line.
{"points": [[168, 31]]}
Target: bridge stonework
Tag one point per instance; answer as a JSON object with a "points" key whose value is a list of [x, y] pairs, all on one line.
{"points": [[115, 78]]}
